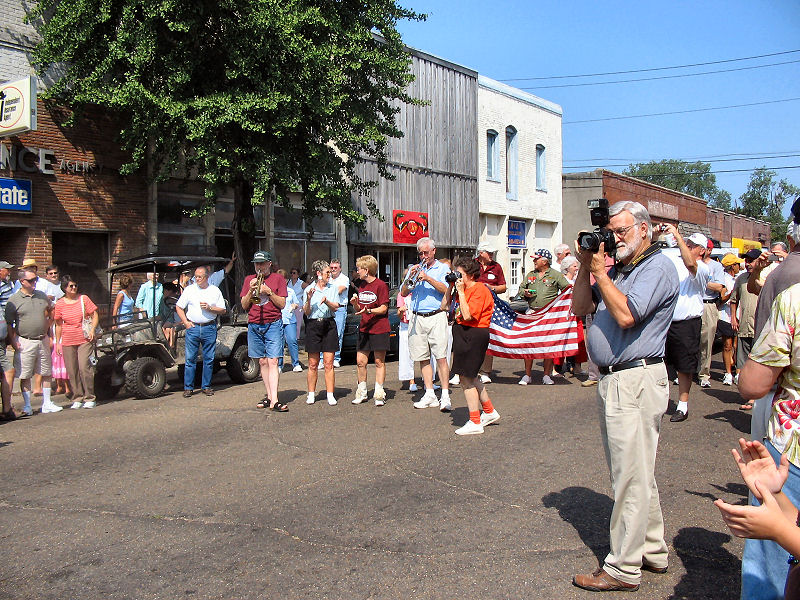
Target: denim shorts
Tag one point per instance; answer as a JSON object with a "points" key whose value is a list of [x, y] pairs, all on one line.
{"points": [[265, 341]]}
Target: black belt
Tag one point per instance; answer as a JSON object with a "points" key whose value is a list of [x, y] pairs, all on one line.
{"points": [[202, 324], [630, 365], [428, 314], [714, 301], [33, 339]]}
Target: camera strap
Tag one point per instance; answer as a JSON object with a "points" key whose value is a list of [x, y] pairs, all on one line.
{"points": [[649, 252]]}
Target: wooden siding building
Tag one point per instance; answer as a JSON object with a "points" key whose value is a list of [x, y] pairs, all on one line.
{"points": [[435, 165]]}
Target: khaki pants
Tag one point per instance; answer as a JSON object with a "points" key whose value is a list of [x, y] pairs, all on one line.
{"points": [[708, 329], [80, 371], [632, 403]]}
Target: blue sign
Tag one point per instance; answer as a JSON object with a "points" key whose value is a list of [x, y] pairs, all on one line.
{"points": [[16, 195], [516, 234]]}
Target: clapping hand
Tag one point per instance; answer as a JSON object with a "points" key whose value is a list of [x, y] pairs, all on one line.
{"points": [[756, 464], [765, 522]]}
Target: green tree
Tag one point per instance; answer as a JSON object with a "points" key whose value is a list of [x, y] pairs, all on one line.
{"points": [[264, 96], [693, 178], [766, 197]]}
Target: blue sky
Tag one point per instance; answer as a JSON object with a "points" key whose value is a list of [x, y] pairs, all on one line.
{"points": [[514, 39]]}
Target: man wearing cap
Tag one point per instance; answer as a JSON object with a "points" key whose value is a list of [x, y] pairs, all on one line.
{"points": [[492, 276], [265, 322], [743, 311], [732, 264], [541, 287], [29, 317], [633, 307], [715, 288], [683, 337], [54, 292]]}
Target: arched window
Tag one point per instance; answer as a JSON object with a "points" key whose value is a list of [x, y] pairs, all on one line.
{"points": [[541, 181], [511, 163], [492, 156]]}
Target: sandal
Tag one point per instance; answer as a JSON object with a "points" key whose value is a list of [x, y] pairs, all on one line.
{"points": [[748, 406], [8, 415], [263, 404], [279, 407]]}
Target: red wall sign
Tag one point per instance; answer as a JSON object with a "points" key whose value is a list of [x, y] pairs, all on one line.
{"points": [[408, 227]]}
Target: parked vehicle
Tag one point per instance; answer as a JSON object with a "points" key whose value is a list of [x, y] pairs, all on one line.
{"points": [[136, 354]]}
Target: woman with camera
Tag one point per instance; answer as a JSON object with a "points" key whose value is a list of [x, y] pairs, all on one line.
{"points": [[76, 322], [473, 311]]}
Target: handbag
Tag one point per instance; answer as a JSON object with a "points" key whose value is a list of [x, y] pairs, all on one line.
{"points": [[86, 322]]}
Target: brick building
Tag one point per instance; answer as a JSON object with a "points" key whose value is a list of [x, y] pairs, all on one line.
{"points": [[689, 213]]}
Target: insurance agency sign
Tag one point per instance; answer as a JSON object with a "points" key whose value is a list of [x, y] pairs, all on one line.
{"points": [[17, 106]]}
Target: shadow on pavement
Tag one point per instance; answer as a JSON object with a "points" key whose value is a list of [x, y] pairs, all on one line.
{"points": [[588, 512], [739, 419], [711, 571], [735, 489]]}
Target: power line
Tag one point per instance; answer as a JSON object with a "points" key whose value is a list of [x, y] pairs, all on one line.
{"points": [[716, 161], [680, 112], [707, 172], [753, 155], [702, 64], [566, 85]]}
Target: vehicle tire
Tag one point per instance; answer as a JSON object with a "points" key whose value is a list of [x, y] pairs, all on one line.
{"points": [[146, 377], [103, 388], [241, 368]]}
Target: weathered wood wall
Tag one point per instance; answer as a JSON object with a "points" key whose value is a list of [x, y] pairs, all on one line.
{"points": [[436, 162]]}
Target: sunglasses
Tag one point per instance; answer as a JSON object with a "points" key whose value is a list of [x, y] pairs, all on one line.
{"points": [[31, 280], [72, 285]]}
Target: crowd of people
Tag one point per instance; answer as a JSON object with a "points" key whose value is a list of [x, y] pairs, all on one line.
{"points": [[644, 308]]}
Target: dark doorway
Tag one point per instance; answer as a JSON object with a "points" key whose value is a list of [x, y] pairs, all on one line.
{"points": [[84, 256]]}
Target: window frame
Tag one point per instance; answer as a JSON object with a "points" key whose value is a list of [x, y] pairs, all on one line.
{"points": [[512, 163]]}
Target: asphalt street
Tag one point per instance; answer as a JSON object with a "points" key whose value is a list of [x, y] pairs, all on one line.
{"points": [[214, 498]]}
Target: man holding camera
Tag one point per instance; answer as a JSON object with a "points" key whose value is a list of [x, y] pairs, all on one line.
{"points": [[633, 305]]}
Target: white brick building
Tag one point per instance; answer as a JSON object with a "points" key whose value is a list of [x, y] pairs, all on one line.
{"points": [[519, 175]]}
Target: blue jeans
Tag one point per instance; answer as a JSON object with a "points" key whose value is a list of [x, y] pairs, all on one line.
{"points": [[204, 336], [340, 315], [290, 335], [764, 566]]}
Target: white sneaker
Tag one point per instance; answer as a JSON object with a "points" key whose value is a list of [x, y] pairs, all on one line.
{"points": [[455, 380], [469, 428], [336, 364], [705, 383], [444, 404], [380, 397], [675, 381], [736, 379], [77, 405], [332, 401], [485, 378], [50, 407], [546, 380], [412, 387], [427, 401], [361, 395], [90, 404], [728, 379], [27, 411], [489, 418], [310, 399], [298, 369], [525, 380]]}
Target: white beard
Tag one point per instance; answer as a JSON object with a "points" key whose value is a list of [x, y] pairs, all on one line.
{"points": [[629, 249]]}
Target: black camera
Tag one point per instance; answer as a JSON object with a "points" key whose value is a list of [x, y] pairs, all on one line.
{"points": [[452, 276], [590, 241]]}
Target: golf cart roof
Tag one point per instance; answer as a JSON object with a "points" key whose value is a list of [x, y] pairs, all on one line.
{"points": [[163, 264]]}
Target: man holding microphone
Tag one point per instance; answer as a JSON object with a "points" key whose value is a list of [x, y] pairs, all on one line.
{"points": [[633, 306]]}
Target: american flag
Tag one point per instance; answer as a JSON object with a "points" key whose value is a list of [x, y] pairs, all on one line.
{"points": [[550, 332]]}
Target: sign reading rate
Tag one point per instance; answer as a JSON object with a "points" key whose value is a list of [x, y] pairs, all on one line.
{"points": [[17, 106], [15, 195]]}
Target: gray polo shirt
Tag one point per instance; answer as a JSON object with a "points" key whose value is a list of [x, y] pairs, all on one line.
{"points": [[652, 291], [28, 314], [784, 276]]}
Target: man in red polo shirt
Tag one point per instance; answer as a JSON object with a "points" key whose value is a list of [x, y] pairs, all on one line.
{"points": [[492, 276]]}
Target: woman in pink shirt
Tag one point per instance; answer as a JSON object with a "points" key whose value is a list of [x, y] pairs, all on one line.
{"points": [[73, 344]]}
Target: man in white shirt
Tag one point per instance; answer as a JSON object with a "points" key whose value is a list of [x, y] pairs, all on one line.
{"points": [[198, 308], [342, 283], [683, 337], [714, 291], [561, 251]]}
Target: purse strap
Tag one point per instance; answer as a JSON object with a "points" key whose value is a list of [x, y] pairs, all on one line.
{"points": [[83, 308]]}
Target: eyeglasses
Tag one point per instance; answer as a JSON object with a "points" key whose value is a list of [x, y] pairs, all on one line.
{"points": [[72, 285], [424, 252], [31, 280], [52, 273], [622, 231]]}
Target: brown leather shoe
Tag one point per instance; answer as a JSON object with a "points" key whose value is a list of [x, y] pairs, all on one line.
{"points": [[600, 581], [208, 391], [187, 393], [652, 569]]}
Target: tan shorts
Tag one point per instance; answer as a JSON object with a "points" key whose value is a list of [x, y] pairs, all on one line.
{"points": [[33, 357], [426, 336]]}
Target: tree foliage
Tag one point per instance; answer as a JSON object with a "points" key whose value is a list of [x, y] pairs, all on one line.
{"points": [[693, 178], [265, 96], [766, 197]]}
